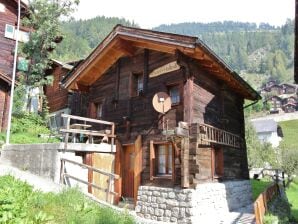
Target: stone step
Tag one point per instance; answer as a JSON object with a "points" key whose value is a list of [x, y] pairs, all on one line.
{"points": [[127, 203]]}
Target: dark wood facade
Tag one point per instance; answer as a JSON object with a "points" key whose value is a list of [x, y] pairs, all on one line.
{"points": [[205, 92], [8, 15], [58, 98], [5, 82]]}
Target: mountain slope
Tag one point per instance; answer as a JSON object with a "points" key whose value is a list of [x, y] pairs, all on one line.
{"points": [[257, 52]]}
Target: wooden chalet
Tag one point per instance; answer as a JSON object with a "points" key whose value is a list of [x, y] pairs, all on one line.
{"points": [[119, 79], [275, 89], [275, 104], [288, 88], [290, 104], [60, 100], [8, 20]]}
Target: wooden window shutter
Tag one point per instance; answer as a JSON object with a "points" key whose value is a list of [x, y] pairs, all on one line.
{"points": [[152, 160]]}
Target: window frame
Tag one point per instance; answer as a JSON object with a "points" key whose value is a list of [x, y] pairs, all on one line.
{"points": [[154, 147]]}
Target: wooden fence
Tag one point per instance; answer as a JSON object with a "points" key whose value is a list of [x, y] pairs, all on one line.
{"points": [[261, 203], [111, 178]]}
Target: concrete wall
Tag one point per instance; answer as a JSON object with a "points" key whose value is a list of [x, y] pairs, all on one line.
{"points": [[208, 203], [39, 159], [45, 160]]}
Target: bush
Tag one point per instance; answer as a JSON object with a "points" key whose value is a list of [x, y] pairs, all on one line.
{"points": [[270, 219]]}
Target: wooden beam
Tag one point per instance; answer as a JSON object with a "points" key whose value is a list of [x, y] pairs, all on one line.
{"points": [[185, 163], [188, 100], [80, 87], [146, 70], [125, 47]]}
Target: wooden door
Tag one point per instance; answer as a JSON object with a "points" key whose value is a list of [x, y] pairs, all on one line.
{"points": [[128, 171], [131, 169]]}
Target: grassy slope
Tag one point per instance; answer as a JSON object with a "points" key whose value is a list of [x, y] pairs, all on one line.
{"points": [[21, 204], [292, 194], [290, 129], [258, 186]]}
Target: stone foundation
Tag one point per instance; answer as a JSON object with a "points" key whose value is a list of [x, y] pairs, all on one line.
{"points": [[209, 202]]}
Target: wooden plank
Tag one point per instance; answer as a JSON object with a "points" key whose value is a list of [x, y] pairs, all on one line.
{"points": [[104, 162], [87, 132], [87, 119], [118, 166], [185, 163], [91, 184], [89, 162], [138, 165], [152, 160]]}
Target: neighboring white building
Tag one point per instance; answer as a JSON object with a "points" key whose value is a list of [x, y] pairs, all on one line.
{"points": [[268, 131]]}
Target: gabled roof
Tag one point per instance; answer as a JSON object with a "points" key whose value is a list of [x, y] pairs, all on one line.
{"points": [[5, 78], [124, 41], [265, 125]]}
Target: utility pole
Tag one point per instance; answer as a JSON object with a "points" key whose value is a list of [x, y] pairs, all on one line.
{"points": [[13, 74]]}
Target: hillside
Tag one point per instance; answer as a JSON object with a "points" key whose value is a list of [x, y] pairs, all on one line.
{"points": [[289, 129], [247, 48], [259, 52], [81, 36]]}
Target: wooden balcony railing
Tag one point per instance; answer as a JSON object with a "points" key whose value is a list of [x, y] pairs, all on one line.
{"points": [[84, 127], [215, 135], [111, 178]]}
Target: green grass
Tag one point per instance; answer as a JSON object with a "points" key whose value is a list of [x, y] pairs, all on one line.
{"points": [[292, 194], [289, 129], [25, 129], [19, 203], [258, 186]]}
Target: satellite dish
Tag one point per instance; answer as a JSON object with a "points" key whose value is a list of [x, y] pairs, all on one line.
{"points": [[161, 102]]}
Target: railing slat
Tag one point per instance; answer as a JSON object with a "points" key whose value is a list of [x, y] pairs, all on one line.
{"points": [[92, 168]]}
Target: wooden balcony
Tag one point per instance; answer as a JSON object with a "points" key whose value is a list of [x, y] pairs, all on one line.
{"points": [[96, 131], [209, 134]]}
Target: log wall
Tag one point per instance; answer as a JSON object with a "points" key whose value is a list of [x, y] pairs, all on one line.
{"points": [[210, 103]]}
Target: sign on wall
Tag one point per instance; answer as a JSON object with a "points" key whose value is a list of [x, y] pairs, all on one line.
{"points": [[170, 67]]}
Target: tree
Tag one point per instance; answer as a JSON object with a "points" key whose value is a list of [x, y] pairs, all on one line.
{"points": [[259, 154], [43, 19], [289, 161]]}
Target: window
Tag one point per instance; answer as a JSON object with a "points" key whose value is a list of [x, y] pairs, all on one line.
{"points": [[137, 84], [174, 94], [96, 110], [161, 160], [217, 162], [164, 159]]}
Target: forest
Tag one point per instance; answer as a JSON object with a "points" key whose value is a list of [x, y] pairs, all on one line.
{"points": [[257, 52]]}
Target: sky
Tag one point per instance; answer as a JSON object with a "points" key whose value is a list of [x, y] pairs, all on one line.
{"points": [[151, 13]]}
